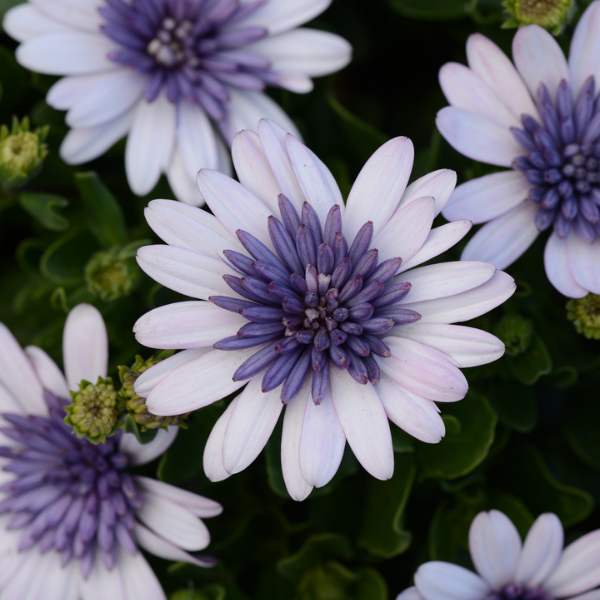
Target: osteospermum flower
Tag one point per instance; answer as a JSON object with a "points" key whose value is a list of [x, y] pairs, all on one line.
{"points": [[72, 516], [538, 569], [543, 120], [311, 303], [172, 74]]}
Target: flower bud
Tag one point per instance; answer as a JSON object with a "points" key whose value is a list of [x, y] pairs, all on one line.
{"points": [[112, 274], [585, 314], [551, 14]]}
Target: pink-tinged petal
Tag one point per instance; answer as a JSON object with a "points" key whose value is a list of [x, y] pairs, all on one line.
{"points": [[578, 569], [541, 551], [250, 425], [464, 346], [584, 55], [68, 90], [150, 143], [438, 185], [185, 271], [24, 22], [444, 581], [363, 419], [198, 383], [401, 409], [139, 579], [584, 262], [495, 68], [495, 547], [213, 451], [186, 325], [379, 187], [85, 346], [423, 370], [199, 505], [438, 241], [539, 59], [504, 239], [322, 442], [74, 13], [183, 185], [558, 269], [487, 197], [47, 372], [406, 232], [468, 305], [188, 227], [140, 454], [477, 137], [410, 594], [67, 53], [445, 279], [463, 88], [315, 179]]}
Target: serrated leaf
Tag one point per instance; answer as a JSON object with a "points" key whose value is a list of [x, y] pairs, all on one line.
{"points": [[43, 208]]}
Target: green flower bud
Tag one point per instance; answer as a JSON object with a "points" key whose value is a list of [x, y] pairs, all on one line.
{"points": [[515, 331], [93, 412], [551, 14], [585, 314], [112, 274]]}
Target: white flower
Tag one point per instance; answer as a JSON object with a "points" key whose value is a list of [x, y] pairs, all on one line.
{"points": [[173, 75], [325, 316], [71, 517], [538, 569], [552, 144]]}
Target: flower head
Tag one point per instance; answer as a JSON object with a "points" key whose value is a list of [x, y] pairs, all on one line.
{"points": [[312, 304], [543, 120], [551, 14], [72, 514], [175, 75], [538, 569]]}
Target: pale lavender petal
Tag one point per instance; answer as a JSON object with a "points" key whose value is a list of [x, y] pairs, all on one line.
{"points": [[48, 373], [438, 185], [584, 55], [558, 269], [444, 581], [140, 454], [213, 451], [24, 22], [584, 262], [74, 13]]}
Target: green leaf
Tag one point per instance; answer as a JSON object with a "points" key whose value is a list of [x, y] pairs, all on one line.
{"points": [[211, 592], [514, 404], [433, 10], [459, 453], [401, 441], [581, 427], [43, 208], [529, 366], [143, 437], [104, 215]]}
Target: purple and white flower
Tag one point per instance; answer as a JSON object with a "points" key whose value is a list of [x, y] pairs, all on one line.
{"points": [[543, 120], [173, 75], [538, 569], [315, 305], [72, 517]]}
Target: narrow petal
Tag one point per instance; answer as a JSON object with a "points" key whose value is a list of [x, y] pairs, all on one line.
{"points": [[584, 262], [558, 269], [213, 451], [47, 372], [24, 22], [438, 185], [140, 454], [584, 56], [444, 581], [183, 185]]}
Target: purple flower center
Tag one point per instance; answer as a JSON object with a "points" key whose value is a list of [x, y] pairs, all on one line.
{"points": [[316, 302], [67, 494], [517, 592], [191, 48], [563, 159]]}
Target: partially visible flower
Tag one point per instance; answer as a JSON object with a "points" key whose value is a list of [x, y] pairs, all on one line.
{"points": [[585, 314], [550, 14], [312, 303], [552, 145], [176, 76], [73, 517], [538, 569]]}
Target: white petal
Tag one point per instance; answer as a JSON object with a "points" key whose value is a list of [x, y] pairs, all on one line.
{"points": [[541, 551], [495, 546], [48, 373], [410, 593], [438, 185], [379, 187], [464, 346], [150, 143], [250, 425], [363, 419], [186, 325], [183, 185], [102, 583], [140, 454], [24, 22], [444, 581], [213, 451], [467, 305], [584, 55], [140, 581], [8, 403], [85, 346], [584, 262], [487, 197], [504, 239], [185, 271], [74, 13], [477, 137], [593, 595], [68, 90], [52, 581], [322, 442], [20, 582], [558, 270], [539, 59], [423, 370]]}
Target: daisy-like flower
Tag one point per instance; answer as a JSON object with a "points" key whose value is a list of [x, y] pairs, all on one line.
{"points": [[543, 120], [311, 303], [71, 515], [173, 75], [507, 569]]}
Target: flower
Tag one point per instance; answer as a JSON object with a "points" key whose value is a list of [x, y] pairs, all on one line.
{"points": [[311, 303], [551, 14], [552, 145], [72, 517], [173, 74], [539, 569]]}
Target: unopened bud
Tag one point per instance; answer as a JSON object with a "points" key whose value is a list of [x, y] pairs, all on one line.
{"points": [[550, 14], [112, 274], [585, 314]]}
